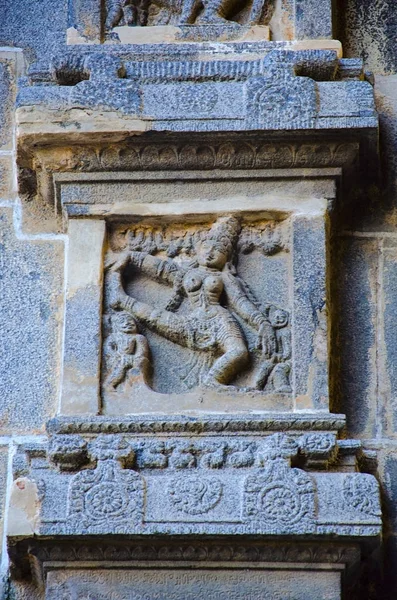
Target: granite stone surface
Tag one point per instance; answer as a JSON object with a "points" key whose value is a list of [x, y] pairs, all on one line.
{"points": [[31, 300], [119, 98]]}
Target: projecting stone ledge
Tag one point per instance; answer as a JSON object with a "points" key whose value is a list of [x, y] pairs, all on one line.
{"points": [[209, 485], [272, 89]]}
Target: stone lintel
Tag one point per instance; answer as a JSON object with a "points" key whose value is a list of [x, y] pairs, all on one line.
{"points": [[105, 501], [288, 558]]}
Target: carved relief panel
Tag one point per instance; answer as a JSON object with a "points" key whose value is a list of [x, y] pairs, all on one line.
{"points": [[122, 20], [201, 310], [183, 307]]}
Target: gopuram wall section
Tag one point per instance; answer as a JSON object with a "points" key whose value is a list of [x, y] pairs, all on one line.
{"points": [[198, 292]]}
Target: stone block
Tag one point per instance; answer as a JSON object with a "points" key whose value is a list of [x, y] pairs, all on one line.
{"points": [[30, 298], [7, 190], [390, 576], [214, 583], [368, 29], [39, 29], [388, 470], [356, 313], [313, 19], [7, 97], [82, 344], [309, 314], [281, 90], [389, 376], [3, 486], [240, 485], [386, 98]]}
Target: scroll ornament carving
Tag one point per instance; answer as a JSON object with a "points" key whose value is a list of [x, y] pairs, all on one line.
{"points": [[319, 449], [68, 451], [224, 156], [200, 268], [361, 493], [177, 454], [318, 444], [106, 495], [195, 495], [199, 551]]}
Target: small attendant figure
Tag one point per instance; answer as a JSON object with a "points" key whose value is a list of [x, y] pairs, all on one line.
{"points": [[276, 369], [127, 348]]}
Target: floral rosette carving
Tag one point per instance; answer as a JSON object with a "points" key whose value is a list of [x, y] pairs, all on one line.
{"points": [[107, 494], [195, 495], [280, 497]]}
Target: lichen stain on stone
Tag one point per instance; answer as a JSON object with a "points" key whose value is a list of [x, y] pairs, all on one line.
{"points": [[320, 341]]}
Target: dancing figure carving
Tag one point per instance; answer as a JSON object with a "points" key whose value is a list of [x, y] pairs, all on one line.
{"points": [[213, 290]]}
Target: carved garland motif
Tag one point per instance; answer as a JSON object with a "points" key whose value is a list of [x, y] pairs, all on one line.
{"points": [[279, 496]]}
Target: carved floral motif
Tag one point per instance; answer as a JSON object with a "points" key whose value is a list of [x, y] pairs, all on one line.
{"points": [[278, 496], [106, 495], [195, 495]]}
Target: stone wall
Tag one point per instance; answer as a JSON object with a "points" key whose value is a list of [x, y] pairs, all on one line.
{"points": [[363, 285]]}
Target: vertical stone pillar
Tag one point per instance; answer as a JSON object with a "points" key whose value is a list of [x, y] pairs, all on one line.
{"points": [[83, 310], [309, 323]]}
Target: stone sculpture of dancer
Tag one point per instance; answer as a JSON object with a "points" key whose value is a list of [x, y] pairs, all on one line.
{"points": [[209, 327]]}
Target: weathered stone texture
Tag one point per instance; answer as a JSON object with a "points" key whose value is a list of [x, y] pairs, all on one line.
{"points": [[7, 190], [37, 27], [7, 98], [211, 583], [3, 484], [355, 272], [368, 28], [31, 303], [189, 475]]}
